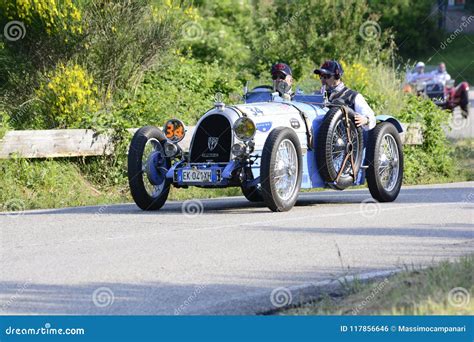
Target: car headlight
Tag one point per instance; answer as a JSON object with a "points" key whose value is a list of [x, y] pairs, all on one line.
{"points": [[174, 130], [171, 149], [244, 128], [239, 149]]}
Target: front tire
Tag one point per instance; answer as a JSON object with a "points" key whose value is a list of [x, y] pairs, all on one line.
{"points": [[281, 169], [385, 159], [147, 167]]}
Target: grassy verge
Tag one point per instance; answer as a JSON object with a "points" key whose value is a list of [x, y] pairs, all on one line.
{"points": [[444, 289], [464, 155], [33, 184], [40, 184]]}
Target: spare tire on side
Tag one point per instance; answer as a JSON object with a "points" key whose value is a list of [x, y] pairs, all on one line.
{"points": [[338, 157]]}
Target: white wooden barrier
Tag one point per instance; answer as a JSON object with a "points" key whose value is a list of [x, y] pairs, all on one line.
{"points": [[83, 143]]}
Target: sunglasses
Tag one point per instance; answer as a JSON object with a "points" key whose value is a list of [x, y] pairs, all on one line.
{"points": [[325, 76], [278, 76]]}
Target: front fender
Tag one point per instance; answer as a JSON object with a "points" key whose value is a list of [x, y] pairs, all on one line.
{"points": [[392, 120]]}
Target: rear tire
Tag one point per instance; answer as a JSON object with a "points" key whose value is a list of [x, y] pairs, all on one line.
{"points": [[142, 175], [253, 194], [464, 104], [281, 169], [385, 159]]}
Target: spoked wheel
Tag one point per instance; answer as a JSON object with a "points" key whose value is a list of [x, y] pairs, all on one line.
{"points": [[147, 167], [340, 144], [281, 169], [385, 158]]}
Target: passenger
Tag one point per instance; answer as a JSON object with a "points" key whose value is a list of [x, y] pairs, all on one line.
{"points": [[441, 74], [330, 74], [417, 74], [282, 80]]}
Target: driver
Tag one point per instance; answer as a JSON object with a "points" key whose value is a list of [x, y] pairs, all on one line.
{"points": [[282, 80], [441, 74], [419, 72], [330, 74]]}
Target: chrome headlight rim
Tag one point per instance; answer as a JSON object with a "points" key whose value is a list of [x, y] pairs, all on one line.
{"points": [[244, 129], [174, 130]]}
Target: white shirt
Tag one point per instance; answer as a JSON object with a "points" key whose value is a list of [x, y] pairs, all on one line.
{"points": [[361, 107], [441, 76]]}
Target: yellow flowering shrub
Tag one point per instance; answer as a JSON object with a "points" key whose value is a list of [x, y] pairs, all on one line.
{"points": [[374, 84], [356, 75], [163, 9], [69, 96], [57, 15]]}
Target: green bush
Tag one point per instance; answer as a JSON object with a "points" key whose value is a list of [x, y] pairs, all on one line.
{"points": [[413, 23], [184, 89], [125, 38], [381, 86], [433, 159], [37, 34], [260, 34], [223, 32], [4, 123]]}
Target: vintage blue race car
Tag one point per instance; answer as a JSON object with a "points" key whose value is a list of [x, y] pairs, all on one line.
{"points": [[271, 148]]}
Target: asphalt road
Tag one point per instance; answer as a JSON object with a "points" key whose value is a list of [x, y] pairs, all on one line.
{"points": [[228, 258]]}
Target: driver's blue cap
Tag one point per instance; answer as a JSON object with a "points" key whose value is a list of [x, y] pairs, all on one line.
{"points": [[281, 67], [330, 68]]}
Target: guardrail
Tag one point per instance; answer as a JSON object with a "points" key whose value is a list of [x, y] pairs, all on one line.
{"points": [[84, 143]]}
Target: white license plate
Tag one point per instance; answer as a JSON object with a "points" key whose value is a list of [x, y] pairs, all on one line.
{"points": [[197, 176]]}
